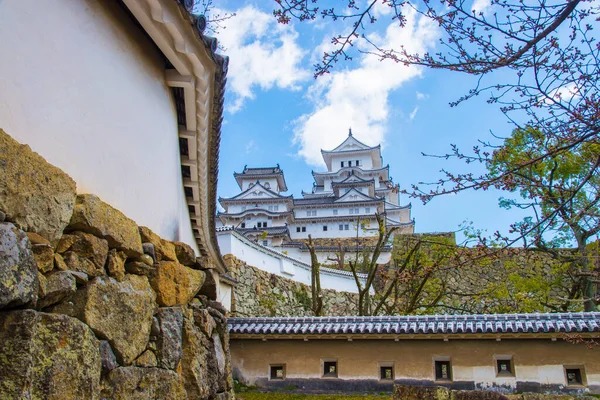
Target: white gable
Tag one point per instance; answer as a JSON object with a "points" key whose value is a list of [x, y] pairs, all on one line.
{"points": [[257, 192], [351, 144], [352, 196]]}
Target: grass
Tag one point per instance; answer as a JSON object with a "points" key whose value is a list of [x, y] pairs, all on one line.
{"points": [[293, 396]]}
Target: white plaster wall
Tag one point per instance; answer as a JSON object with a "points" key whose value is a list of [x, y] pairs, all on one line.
{"points": [[85, 88], [365, 161], [277, 263], [237, 208], [225, 294], [333, 231]]}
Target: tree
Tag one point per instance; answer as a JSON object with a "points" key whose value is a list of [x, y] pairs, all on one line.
{"points": [[562, 191], [368, 264], [545, 51], [415, 281], [315, 275]]}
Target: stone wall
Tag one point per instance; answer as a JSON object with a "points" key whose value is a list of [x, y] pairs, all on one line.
{"points": [[93, 306], [259, 293], [487, 281]]}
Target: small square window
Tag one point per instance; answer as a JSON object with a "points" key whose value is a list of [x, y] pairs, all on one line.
{"points": [[575, 376], [346, 227], [349, 163], [303, 229], [342, 164], [386, 372], [357, 163], [443, 371], [265, 242], [368, 210], [504, 367], [341, 227], [330, 369], [243, 224], [335, 212], [324, 228], [277, 372]]}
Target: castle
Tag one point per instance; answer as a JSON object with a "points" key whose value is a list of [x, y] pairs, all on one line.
{"points": [[343, 202]]}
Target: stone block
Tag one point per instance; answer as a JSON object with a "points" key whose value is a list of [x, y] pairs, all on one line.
{"points": [[59, 285], [19, 284], [120, 312], [115, 264], [94, 216], [86, 246], [169, 336], [163, 249], [134, 383], [47, 356], [421, 393], [176, 284], [35, 195], [185, 254]]}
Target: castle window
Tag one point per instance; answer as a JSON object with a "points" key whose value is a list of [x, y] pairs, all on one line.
{"points": [[303, 229], [386, 371], [349, 163], [504, 366], [297, 229], [346, 227], [243, 225], [357, 163], [330, 369], [275, 207], [342, 164], [324, 228], [341, 227], [277, 372], [270, 208], [311, 213], [335, 212], [443, 370], [575, 376], [367, 210], [265, 242]]}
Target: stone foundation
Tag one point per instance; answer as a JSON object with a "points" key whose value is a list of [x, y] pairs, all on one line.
{"points": [[259, 293], [93, 306]]}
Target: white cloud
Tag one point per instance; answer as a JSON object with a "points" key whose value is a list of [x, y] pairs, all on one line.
{"points": [[422, 96], [358, 98], [250, 146], [263, 54], [413, 114], [481, 7]]}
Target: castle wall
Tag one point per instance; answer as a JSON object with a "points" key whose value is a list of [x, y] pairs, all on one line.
{"points": [[86, 89], [93, 306], [259, 293], [539, 364], [278, 264]]}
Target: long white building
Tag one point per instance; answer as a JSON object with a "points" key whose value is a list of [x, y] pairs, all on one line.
{"points": [[342, 203]]}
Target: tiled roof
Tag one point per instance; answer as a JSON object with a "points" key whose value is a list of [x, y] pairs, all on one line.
{"points": [[314, 200], [271, 230], [262, 170], [434, 324]]}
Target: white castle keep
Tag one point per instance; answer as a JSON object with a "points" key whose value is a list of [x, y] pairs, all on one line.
{"points": [[342, 203]]}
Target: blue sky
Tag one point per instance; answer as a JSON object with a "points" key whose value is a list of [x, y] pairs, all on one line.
{"points": [[277, 113]]}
